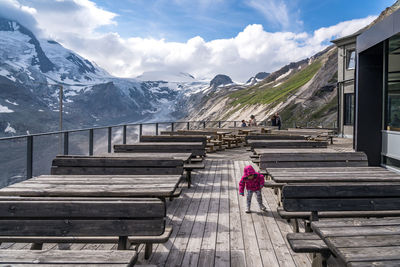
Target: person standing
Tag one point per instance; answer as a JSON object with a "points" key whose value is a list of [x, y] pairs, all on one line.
{"points": [[278, 121], [252, 121], [273, 120]]}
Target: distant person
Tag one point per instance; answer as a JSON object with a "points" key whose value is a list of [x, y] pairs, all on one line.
{"points": [[273, 120], [253, 182], [244, 123], [252, 121], [278, 121]]}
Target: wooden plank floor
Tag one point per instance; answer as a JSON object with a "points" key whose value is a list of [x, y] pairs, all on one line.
{"points": [[212, 229]]}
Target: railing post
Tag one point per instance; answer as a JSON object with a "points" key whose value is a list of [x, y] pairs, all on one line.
{"points": [[188, 125], [204, 124], [140, 130], [219, 124], [172, 127], [234, 124], [124, 135], [29, 156], [109, 139], [91, 142], [156, 128], [66, 143]]}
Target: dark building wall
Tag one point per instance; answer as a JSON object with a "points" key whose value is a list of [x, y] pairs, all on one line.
{"points": [[369, 99]]}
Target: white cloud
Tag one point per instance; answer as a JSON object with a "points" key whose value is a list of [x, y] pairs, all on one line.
{"points": [[275, 11], [74, 23]]}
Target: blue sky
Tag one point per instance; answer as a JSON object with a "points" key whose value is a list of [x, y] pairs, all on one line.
{"points": [[184, 19], [238, 38]]}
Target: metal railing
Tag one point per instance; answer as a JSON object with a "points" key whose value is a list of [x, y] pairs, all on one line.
{"points": [[65, 143]]}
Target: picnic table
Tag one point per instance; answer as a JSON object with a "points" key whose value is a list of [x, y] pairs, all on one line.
{"points": [[361, 242], [333, 174], [260, 151], [196, 148], [286, 144], [222, 134], [95, 186]]}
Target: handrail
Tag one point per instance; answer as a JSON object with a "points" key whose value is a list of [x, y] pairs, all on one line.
{"points": [[105, 127], [64, 137]]}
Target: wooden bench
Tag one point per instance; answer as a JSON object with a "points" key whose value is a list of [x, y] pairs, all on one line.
{"points": [[196, 148], [174, 138], [340, 197], [299, 160], [93, 165], [286, 144], [274, 137], [42, 220]]}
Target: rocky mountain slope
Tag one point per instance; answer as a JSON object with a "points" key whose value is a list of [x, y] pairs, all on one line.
{"points": [[302, 92]]}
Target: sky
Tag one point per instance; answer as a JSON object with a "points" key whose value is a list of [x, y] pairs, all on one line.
{"points": [[238, 38]]}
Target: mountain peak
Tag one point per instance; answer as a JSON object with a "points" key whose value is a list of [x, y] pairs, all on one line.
{"points": [[220, 79]]}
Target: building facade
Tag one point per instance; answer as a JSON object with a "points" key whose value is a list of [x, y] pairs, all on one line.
{"points": [[377, 92], [346, 83]]}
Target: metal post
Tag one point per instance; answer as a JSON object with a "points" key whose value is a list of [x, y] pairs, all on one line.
{"points": [[66, 143], [124, 135], [91, 134], [140, 130], [219, 124], [29, 156], [234, 124], [172, 126], [60, 120], [188, 125], [204, 124], [109, 139], [156, 128]]}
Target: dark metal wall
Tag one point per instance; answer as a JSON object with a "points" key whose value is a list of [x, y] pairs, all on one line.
{"points": [[369, 101]]}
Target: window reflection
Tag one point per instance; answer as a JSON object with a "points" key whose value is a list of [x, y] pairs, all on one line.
{"points": [[351, 59], [393, 85]]}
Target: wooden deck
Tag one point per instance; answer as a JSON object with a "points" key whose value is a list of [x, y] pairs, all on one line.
{"points": [[210, 225], [212, 229]]}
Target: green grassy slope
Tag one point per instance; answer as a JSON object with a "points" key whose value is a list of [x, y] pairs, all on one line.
{"points": [[262, 94]]}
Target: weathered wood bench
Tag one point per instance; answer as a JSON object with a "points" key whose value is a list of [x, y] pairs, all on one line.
{"points": [[80, 165], [274, 137], [312, 160], [196, 148], [42, 220], [174, 138], [338, 197], [286, 144], [98, 165]]}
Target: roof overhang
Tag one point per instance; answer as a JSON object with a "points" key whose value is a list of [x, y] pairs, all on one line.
{"points": [[379, 32]]}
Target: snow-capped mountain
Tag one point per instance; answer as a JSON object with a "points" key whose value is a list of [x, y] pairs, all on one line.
{"points": [[32, 71]]}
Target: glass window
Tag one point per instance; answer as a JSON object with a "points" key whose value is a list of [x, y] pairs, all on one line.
{"points": [[351, 59], [348, 109], [393, 85]]}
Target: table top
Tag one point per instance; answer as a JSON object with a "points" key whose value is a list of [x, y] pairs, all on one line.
{"points": [[260, 151], [181, 156], [95, 186], [177, 144], [362, 242], [335, 175]]}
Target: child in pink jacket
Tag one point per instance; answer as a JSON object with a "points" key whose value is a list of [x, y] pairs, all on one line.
{"points": [[254, 182]]}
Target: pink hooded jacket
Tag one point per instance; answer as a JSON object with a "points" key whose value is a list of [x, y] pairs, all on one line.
{"points": [[254, 184]]}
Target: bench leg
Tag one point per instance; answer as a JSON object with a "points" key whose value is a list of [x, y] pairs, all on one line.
{"points": [[148, 249], [36, 246], [122, 242], [295, 224], [189, 177]]}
